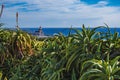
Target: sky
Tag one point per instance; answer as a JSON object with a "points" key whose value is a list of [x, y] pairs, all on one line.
{"points": [[61, 13]]}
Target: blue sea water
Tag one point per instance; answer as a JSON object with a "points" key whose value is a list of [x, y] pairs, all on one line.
{"points": [[48, 31], [65, 31]]}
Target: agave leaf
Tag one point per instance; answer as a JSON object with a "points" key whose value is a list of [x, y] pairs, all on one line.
{"points": [[78, 32], [115, 36], [73, 75], [109, 32], [70, 61], [116, 70], [90, 64], [115, 64], [91, 73], [115, 59], [1, 75]]}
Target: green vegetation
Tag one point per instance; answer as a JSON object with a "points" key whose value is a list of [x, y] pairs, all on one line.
{"points": [[85, 55]]}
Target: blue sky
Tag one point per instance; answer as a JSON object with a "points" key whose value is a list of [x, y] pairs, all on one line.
{"points": [[61, 13], [110, 2]]}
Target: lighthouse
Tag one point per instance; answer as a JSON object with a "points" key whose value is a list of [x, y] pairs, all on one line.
{"points": [[39, 32]]}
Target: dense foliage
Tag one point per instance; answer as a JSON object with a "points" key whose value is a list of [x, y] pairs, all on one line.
{"points": [[86, 55]]}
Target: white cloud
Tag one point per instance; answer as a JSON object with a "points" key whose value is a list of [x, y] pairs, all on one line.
{"points": [[62, 13], [102, 3]]}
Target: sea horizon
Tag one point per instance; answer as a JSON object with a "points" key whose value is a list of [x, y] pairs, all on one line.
{"points": [[65, 31]]}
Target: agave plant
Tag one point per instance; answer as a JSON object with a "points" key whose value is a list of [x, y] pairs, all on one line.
{"points": [[21, 44], [52, 70], [109, 45], [115, 45], [101, 69], [5, 37], [37, 45], [87, 43], [56, 52], [27, 69]]}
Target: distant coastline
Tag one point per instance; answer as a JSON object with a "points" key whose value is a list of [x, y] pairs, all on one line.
{"points": [[64, 31]]}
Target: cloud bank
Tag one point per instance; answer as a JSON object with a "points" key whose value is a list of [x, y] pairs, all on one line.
{"points": [[60, 13]]}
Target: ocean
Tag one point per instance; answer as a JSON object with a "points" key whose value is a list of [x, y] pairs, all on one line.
{"points": [[64, 31]]}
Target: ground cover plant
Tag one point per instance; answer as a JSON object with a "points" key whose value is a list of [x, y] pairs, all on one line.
{"points": [[86, 55]]}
